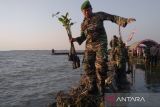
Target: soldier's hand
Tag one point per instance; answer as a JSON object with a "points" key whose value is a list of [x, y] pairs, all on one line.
{"points": [[72, 39], [130, 20]]}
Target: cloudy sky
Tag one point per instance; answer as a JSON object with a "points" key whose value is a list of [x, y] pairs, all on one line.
{"points": [[27, 24]]}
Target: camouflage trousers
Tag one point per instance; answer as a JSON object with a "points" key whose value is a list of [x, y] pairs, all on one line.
{"points": [[94, 64]]}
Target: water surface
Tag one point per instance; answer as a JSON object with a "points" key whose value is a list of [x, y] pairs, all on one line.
{"points": [[32, 78]]}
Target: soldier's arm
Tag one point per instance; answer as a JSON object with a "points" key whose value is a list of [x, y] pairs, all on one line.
{"points": [[116, 19], [81, 39]]}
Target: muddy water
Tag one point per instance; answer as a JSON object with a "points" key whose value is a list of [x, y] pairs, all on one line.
{"points": [[32, 78], [145, 82], [144, 78]]}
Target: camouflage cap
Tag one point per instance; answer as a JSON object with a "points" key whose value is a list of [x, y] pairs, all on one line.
{"points": [[86, 5]]}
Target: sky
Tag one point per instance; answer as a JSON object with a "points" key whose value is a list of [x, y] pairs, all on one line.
{"points": [[28, 24]]}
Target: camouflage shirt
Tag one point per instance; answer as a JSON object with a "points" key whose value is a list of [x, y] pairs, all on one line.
{"points": [[114, 43], [93, 31]]}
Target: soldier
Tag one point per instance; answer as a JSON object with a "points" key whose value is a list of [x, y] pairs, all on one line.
{"points": [[113, 44], [96, 56], [121, 57]]}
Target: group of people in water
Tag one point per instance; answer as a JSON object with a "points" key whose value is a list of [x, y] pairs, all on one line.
{"points": [[150, 54]]}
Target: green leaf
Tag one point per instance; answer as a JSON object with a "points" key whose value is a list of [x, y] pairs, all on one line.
{"points": [[60, 19], [65, 20], [71, 24], [67, 14], [57, 13], [64, 17]]}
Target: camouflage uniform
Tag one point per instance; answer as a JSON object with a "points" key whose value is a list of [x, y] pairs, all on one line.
{"points": [[121, 56], [113, 43], [96, 56]]}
